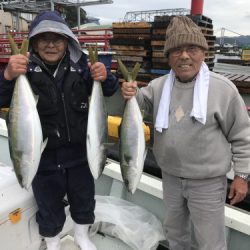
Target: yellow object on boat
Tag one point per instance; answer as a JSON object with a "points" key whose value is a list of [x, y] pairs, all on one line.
{"points": [[4, 109], [113, 127]]}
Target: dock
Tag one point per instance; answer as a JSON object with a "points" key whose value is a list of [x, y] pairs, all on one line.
{"points": [[239, 75]]}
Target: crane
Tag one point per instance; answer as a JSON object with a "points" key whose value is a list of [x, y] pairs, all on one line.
{"points": [[223, 35]]}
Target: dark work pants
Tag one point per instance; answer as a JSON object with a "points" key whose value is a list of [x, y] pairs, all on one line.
{"points": [[50, 187]]}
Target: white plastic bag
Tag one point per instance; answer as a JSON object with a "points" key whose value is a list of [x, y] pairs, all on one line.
{"points": [[132, 224]]}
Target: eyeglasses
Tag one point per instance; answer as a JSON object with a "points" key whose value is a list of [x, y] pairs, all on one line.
{"points": [[57, 40], [190, 50]]}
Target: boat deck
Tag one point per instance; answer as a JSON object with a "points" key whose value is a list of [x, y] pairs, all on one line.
{"points": [[148, 195], [101, 242]]}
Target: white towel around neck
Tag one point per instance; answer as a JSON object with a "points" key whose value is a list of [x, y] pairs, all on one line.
{"points": [[199, 110]]}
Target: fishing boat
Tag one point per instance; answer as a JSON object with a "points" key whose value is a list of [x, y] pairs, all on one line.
{"points": [[18, 207], [18, 227]]}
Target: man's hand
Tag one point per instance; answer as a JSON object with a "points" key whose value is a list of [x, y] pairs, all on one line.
{"points": [[17, 65], [238, 190], [98, 71], [129, 89]]}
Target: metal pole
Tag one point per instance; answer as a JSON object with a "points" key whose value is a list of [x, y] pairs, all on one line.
{"points": [[222, 37], [79, 17], [18, 22], [52, 6]]}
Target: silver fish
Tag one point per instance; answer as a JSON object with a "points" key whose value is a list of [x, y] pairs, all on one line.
{"points": [[97, 131], [24, 132], [132, 145]]}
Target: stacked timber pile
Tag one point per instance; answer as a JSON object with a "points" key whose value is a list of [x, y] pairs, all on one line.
{"points": [[159, 60], [159, 26], [131, 43], [144, 42], [206, 26]]}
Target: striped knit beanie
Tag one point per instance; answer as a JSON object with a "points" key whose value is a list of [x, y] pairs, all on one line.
{"points": [[183, 31]]}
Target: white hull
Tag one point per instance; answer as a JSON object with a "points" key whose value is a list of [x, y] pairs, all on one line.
{"points": [[147, 195]]}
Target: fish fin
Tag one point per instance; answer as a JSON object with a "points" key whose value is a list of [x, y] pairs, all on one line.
{"points": [[88, 140], [24, 47], [123, 69], [119, 131], [26, 187], [36, 98], [93, 55], [44, 144], [126, 182], [127, 158], [108, 144], [119, 128], [145, 153], [13, 45], [20, 179], [129, 77], [128, 187], [7, 119], [96, 53], [142, 113], [135, 71]]}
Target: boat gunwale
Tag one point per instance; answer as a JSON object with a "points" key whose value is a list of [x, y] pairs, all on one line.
{"points": [[235, 218]]}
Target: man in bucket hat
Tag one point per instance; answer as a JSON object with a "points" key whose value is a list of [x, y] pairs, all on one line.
{"points": [[59, 74], [201, 127]]}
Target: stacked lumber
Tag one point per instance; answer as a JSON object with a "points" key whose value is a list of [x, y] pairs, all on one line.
{"points": [[131, 44], [159, 60], [144, 42], [206, 26], [159, 26]]}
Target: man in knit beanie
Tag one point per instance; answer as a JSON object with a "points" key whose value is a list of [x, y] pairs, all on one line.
{"points": [[183, 31], [201, 131]]}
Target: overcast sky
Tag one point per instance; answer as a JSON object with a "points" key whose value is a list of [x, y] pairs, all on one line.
{"points": [[233, 15]]}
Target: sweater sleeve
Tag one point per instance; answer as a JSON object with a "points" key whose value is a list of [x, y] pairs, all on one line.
{"points": [[6, 91], [237, 130]]}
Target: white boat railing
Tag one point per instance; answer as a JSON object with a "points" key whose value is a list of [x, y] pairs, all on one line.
{"points": [[3, 128], [235, 218], [150, 194]]}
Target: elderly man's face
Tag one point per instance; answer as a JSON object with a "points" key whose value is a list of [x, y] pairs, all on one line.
{"points": [[50, 46], [186, 61]]}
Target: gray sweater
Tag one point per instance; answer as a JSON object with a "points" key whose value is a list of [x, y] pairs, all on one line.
{"points": [[190, 149]]}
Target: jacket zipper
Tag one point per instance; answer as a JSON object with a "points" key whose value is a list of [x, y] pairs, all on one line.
{"points": [[66, 117]]}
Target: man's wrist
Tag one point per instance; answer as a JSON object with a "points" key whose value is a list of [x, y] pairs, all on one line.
{"points": [[7, 76], [243, 176]]}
